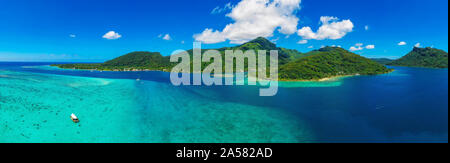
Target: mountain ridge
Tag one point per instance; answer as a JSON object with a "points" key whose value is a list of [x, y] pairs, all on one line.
{"points": [[293, 65], [329, 62], [423, 57]]}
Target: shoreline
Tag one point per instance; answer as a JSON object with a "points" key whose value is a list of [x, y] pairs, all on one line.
{"points": [[321, 80], [331, 78], [115, 70]]}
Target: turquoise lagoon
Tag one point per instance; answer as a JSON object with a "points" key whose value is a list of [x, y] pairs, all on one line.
{"points": [[408, 105]]}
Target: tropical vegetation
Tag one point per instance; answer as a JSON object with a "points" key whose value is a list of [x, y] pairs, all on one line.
{"points": [[293, 65], [423, 57]]}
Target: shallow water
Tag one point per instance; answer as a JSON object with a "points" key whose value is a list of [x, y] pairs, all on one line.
{"points": [[36, 107], [408, 105]]}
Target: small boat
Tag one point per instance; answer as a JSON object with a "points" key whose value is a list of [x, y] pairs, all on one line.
{"points": [[74, 118]]}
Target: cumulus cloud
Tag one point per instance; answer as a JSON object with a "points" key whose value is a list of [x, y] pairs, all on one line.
{"points": [[210, 37], [370, 47], [302, 42], [366, 27], [255, 18], [358, 48], [310, 47], [72, 35], [331, 28], [417, 45], [111, 35], [402, 43]]}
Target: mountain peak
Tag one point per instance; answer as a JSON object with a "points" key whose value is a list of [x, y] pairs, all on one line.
{"points": [[418, 49], [329, 48], [260, 39], [265, 44], [424, 57]]}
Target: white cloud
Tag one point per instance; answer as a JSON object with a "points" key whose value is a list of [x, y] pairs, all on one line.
{"points": [[331, 28], [219, 10], [356, 48], [417, 45], [401, 43], [182, 42], [370, 47], [255, 18], [310, 47], [360, 46], [72, 35], [366, 27], [302, 42], [111, 35], [167, 37], [210, 37]]}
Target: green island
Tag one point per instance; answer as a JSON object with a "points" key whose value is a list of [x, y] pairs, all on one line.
{"points": [[423, 57], [317, 65], [135, 61], [330, 62]]}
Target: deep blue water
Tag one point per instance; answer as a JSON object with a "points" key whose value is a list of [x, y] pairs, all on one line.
{"points": [[408, 105]]}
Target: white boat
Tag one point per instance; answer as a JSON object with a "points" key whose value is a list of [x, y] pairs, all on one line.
{"points": [[74, 118]]}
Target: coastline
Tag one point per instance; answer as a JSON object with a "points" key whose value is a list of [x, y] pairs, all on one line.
{"points": [[335, 77], [115, 70], [331, 78]]}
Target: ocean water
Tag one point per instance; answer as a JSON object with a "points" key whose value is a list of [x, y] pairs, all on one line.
{"points": [[408, 105]]}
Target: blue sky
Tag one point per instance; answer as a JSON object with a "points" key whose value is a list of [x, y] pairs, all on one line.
{"points": [[73, 30]]}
